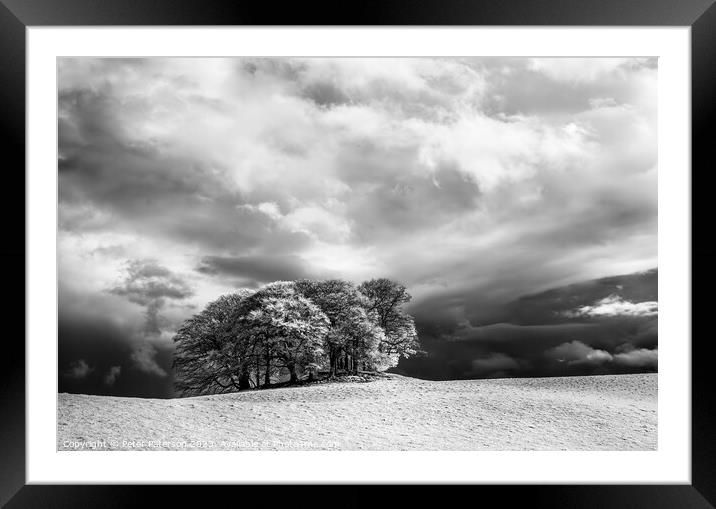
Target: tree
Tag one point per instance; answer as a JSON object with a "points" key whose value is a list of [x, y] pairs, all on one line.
{"points": [[209, 357], [290, 328], [362, 338], [352, 335], [385, 300]]}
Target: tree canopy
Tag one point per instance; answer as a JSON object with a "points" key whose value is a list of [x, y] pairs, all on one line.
{"points": [[292, 329]]}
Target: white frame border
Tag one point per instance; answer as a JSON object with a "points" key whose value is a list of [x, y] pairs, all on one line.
{"points": [[671, 463]]}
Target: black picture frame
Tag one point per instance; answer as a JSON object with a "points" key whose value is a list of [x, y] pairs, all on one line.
{"points": [[17, 15]]}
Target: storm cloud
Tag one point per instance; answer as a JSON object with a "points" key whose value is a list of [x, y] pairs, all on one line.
{"points": [[476, 182]]}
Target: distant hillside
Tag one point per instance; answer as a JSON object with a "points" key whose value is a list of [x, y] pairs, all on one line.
{"points": [[606, 325]]}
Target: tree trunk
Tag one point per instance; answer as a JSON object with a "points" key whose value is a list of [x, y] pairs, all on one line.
{"points": [[258, 372], [244, 380], [332, 370], [267, 375], [292, 372]]}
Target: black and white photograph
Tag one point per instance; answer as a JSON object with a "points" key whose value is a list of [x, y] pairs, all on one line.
{"points": [[357, 253]]}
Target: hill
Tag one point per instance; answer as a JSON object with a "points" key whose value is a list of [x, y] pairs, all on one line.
{"points": [[613, 412]]}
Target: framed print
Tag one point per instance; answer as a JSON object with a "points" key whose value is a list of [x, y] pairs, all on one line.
{"points": [[410, 246]]}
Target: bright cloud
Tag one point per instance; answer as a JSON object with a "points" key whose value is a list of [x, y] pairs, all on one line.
{"points": [[576, 352], [614, 305]]}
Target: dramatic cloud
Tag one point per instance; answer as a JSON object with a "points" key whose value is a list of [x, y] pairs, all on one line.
{"points": [[79, 370], [104, 341], [151, 285], [474, 181], [112, 375], [616, 306]]}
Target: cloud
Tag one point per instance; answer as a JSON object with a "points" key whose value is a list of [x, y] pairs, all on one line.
{"points": [[143, 356], [614, 305], [576, 353], [349, 154], [78, 370], [625, 356], [149, 284], [146, 281], [638, 358], [268, 208], [535, 332], [112, 375], [255, 269], [560, 302]]}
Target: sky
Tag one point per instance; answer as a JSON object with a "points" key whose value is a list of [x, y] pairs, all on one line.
{"points": [[473, 181]]}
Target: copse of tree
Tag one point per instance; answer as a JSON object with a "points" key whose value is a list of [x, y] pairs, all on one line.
{"points": [[293, 328]]}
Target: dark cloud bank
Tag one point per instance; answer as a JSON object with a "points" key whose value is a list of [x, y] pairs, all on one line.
{"points": [[595, 327], [108, 352]]}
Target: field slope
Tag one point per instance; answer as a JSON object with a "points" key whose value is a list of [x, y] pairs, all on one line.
{"points": [[614, 412]]}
